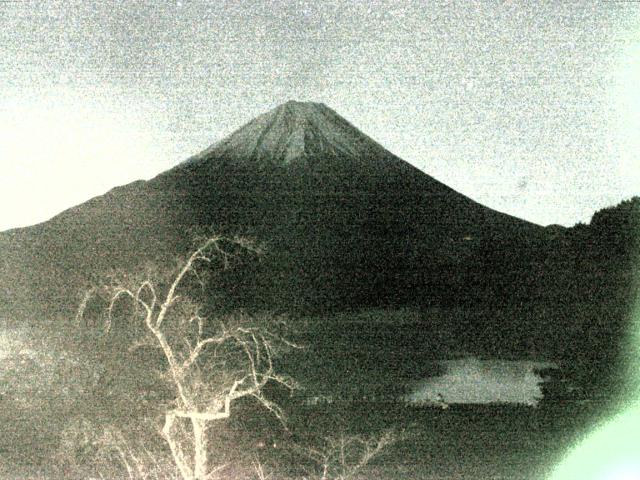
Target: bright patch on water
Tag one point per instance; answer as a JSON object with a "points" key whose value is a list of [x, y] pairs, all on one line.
{"points": [[475, 381]]}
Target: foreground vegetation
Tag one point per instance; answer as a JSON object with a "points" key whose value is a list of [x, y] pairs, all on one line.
{"points": [[90, 397], [478, 443], [143, 348], [74, 407]]}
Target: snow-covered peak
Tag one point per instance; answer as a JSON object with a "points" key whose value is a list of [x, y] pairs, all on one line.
{"points": [[295, 130]]}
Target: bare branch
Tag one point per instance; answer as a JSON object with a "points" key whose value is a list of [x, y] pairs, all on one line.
{"points": [[145, 341], [147, 285], [343, 456], [195, 353], [214, 471], [273, 407], [207, 380], [88, 294], [119, 292], [188, 266], [176, 449]]}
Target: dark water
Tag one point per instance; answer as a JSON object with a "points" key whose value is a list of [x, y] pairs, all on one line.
{"points": [[466, 442]]}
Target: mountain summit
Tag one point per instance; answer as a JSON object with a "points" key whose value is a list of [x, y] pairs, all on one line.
{"points": [[292, 131]]}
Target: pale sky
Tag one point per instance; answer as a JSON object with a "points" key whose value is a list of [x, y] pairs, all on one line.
{"points": [[531, 108]]}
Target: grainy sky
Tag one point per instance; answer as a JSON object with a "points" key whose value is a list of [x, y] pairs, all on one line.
{"points": [[532, 108]]}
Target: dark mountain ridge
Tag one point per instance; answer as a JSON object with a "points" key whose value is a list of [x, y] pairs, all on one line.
{"points": [[346, 223]]}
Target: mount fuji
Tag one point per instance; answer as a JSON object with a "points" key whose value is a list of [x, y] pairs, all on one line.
{"points": [[346, 224]]}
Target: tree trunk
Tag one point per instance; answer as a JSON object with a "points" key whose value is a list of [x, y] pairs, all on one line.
{"points": [[201, 447], [176, 449]]}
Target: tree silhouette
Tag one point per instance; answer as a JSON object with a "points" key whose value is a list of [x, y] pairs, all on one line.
{"points": [[209, 362]]}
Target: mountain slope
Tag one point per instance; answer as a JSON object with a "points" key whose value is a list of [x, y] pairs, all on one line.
{"points": [[346, 222]]}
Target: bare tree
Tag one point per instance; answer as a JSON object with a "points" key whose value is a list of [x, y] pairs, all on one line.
{"points": [[342, 456], [209, 362]]}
